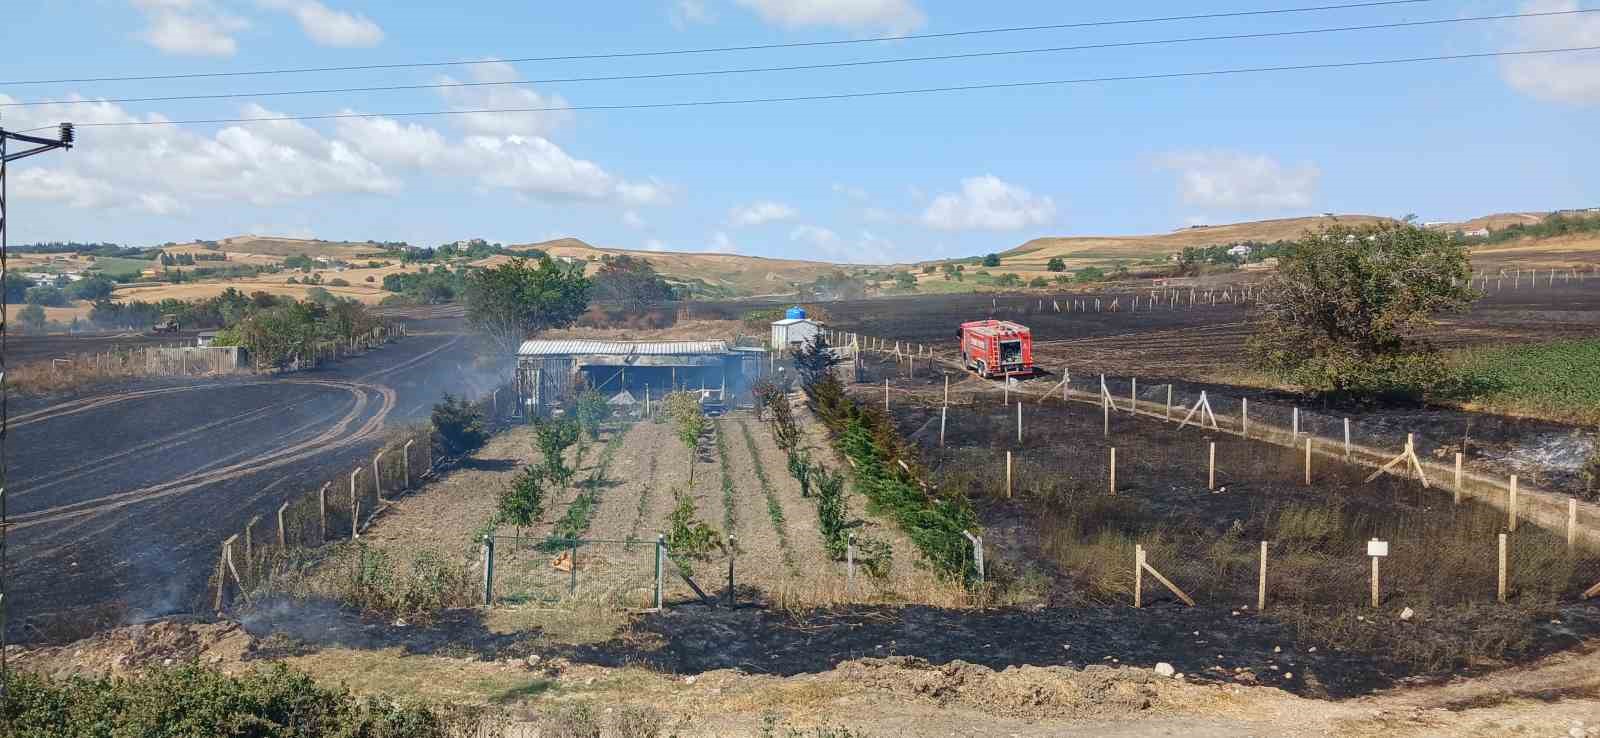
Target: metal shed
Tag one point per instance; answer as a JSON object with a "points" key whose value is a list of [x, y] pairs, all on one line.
{"points": [[551, 372], [791, 332]]}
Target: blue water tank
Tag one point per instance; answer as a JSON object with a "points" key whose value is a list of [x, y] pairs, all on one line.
{"points": [[794, 313]]}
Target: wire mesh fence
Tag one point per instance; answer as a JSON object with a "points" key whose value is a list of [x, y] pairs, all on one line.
{"points": [[549, 570]]}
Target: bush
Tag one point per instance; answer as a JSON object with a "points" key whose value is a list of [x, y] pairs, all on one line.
{"points": [[47, 296], [370, 278], [1056, 264], [458, 426], [338, 282], [688, 537], [190, 700], [991, 260], [592, 411], [522, 503]]}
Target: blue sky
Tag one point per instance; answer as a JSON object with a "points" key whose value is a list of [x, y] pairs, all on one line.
{"points": [[892, 178]]}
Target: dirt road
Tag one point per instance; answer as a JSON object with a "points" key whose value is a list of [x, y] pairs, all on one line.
{"points": [[119, 498]]}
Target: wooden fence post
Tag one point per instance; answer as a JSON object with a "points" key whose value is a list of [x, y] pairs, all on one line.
{"points": [[1511, 506], [1019, 422], [1346, 439], [355, 506], [1308, 461], [943, 411], [1212, 466], [886, 395], [1375, 581], [1458, 479], [1572, 522], [947, 389], [1169, 402], [322, 510], [1113, 470], [1105, 409], [1261, 584], [1501, 589], [1138, 576], [1244, 417], [377, 477], [1133, 398], [1297, 422], [405, 462], [1008, 475]]}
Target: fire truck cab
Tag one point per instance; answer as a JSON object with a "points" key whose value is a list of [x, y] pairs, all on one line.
{"points": [[997, 348]]}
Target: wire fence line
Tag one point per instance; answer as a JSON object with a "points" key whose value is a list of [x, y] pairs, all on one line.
{"points": [[340, 508]]}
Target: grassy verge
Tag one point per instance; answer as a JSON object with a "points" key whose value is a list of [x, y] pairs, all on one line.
{"points": [[774, 507]]}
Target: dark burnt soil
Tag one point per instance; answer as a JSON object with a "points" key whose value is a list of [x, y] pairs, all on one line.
{"points": [[22, 349]]}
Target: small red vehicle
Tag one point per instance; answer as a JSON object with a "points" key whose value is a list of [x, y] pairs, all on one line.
{"points": [[997, 348]]}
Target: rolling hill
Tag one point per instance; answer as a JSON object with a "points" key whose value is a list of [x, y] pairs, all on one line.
{"points": [[1100, 250], [724, 273]]}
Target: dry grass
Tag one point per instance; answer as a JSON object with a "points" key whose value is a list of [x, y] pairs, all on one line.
{"points": [[369, 293]]}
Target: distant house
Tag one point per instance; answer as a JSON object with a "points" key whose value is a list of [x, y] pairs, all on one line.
{"points": [[1240, 251], [791, 332], [205, 338], [1476, 233]]}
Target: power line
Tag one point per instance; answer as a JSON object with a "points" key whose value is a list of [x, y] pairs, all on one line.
{"points": [[806, 67], [721, 49], [856, 95]]}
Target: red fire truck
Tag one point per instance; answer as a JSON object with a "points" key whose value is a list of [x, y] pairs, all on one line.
{"points": [[997, 348]]}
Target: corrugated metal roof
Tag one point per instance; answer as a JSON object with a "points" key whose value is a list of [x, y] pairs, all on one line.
{"points": [[564, 347], [792, 321]]}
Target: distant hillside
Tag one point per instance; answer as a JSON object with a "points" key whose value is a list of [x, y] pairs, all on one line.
{"points": [[1098, 250], [730, 274], [280, 246]]}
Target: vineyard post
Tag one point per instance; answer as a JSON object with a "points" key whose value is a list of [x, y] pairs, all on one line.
{"points": [[1105, 410], [1008, 475], [943, 411], [1133, 397], [1346, 439], [355, 506], [1572, 522], [1297, 422], [850, 565], [1019, 422], [281, 538], [886, 395], [1308, 461], [947, 389], [405, 462], [488, 570], [1138, 576], [1169, 402], [377, 477], [661, 547], [1244, 417]]}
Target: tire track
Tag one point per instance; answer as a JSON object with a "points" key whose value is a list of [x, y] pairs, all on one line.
{"points": [[328, 439]]}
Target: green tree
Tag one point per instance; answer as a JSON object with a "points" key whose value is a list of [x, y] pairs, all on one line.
{"points": [[522, 503], [631, 282], [905, 281], [277, 336], [91, 288], [689, 422], [458, 426], [32, 318], [1341, 314], [991, 260], [554, 437], [1056, 264], [47, 296], [514, 300], [592, 411]]}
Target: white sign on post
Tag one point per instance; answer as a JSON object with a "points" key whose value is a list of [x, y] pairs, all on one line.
{"points": [[1376, 547]]}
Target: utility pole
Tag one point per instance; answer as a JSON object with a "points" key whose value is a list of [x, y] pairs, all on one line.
{"points": [[30, 145]]}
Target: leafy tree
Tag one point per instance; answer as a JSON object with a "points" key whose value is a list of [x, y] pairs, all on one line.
{"points": [[905, 281], [338, 282], [1056, 264], [32, 318], [298, 261], [554, 437], [458, 426], [1341, 314], [91, 288], [514, 300], [522, 503], [47, 296], [689, 422], [631, 281], [929, 268], [991, 260], [277, 336], [17, 289]]}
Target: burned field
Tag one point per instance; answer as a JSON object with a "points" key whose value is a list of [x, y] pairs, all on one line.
{"points": [[1065, 536]]}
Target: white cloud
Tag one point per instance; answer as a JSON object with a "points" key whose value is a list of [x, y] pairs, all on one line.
{"points": [[329, 27], [685, 13], [498, 96], [892, 16], [722, 244], [164, 169], [189, 27], [817, 236], [632, 220], [758, 213], [988, 203], [1567, 78], [1240, 181]]}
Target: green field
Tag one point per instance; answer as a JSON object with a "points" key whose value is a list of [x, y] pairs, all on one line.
{"points": [[115, 267], [1559, 380]]}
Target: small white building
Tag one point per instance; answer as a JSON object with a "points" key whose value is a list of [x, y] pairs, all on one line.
{"points": [[1240, 251], [789, 332], [1476, 232]]}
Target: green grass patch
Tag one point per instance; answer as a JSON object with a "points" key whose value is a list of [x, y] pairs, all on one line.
{"points": [[1556, 381], [117, 267]]}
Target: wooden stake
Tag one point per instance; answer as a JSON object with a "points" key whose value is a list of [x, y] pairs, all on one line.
{"points": [[1346, 439], [947, 389], [1511, 506], [942, 412], [1261, 583], [1133, 397], [1502, 580], [886, 395], [1308, 461], [1019, 422], [1212, 465], [1244, 417], [1297, 422], [1145, 564], [1113, 470], [1105, 410], [1138, 576], [1572, 522], [281, 537], [1169, 403], [1008, 475], [355, 506], [322, 510], [1457, 494], [1375, 581]]}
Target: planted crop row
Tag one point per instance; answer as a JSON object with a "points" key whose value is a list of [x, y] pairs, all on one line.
{"points": [[728, 502], [575, 522], [883, 469], [774, 507]]}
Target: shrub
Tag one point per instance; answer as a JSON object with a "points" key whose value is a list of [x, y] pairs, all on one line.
{"points": [[554, 438], [592, 411], [991, 260], [570, 721], [1056, 264], [688, 537], [339, 282], [190, 700], [522, 503], [458, 426], [370, 278]]}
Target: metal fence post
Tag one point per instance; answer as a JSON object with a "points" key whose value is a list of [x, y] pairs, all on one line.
{"points": [[850, 565], [661, 547], [732, 553], [977, 553]]}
